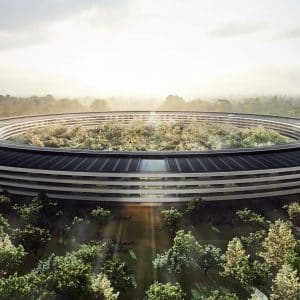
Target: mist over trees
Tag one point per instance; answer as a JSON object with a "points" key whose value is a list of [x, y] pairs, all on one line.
{"points": [[16, 106], [274, 105]]}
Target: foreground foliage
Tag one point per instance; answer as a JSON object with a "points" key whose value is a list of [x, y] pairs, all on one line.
{"points": [[95, 270], [11, 256], [264, 260], [67, 277]]}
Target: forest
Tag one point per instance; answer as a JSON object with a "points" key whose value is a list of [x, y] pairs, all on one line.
{"points": [[54, 250], [273, 105]]}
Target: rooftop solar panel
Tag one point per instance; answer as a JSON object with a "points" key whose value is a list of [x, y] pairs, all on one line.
{"points": [[201, 163]]}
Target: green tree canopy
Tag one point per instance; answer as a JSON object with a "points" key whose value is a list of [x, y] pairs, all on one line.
{"points": [[102, 289], [5, 201], [31, 237], [251, 218], [28, 286], [10, 256], [238, 265], [278, 243], [286, 284], [293, 210], [119, 273], [194, 206], [187, 253], [171, 218], [30, 213], [70, 277], [167, 291], [100, 215]]}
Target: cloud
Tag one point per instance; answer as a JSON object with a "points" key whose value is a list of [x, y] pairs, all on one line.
{"points": [[260, 80], [21, 39], [27, 23], [293, 33], [230, 30], [19, 15]]}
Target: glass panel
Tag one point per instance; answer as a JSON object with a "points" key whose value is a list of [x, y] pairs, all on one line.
{"points": [[153, 165]]}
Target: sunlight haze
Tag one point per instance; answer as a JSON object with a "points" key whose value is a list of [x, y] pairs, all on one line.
{"points": [[136, 48]]}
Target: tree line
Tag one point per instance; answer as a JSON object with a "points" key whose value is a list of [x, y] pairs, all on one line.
{"points": [[274, 105], [18, 106]]}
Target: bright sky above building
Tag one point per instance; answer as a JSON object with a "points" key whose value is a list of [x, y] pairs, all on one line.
{"points": [[150, 48]]}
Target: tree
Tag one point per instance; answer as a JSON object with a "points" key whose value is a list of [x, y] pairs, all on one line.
{"points": [[236, 260], [119, 273], [78, 221], [218, 294], [102, 289], [28, 286], [252, 105], [90, 252], [286, 284], [32, 238], [4, 226], [173, 102], [65, 277], [72, 274], [187, 253], [5, 201], [278, 243], [10, 256], [100, 215], [41, 211], [293, 210], [255, 220], [171, 218], [167, 291], [209, 256], [194, 206], [69, 277], [223, 105], [30, 213], [49, 211], [293, 259], [237, 264], [46, 266], [252, 241], [99, 105], [180, 256]]}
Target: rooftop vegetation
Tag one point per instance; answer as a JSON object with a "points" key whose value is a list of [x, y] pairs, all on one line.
{"points": [[142, 136]]}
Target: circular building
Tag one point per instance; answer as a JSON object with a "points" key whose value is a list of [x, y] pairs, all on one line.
{"points": [[157, 176]]}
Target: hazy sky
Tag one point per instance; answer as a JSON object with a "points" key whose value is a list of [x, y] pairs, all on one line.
{"points": [[149, 48]]}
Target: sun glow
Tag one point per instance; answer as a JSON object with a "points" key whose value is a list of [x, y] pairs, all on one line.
{"points": [[147, 49]]}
